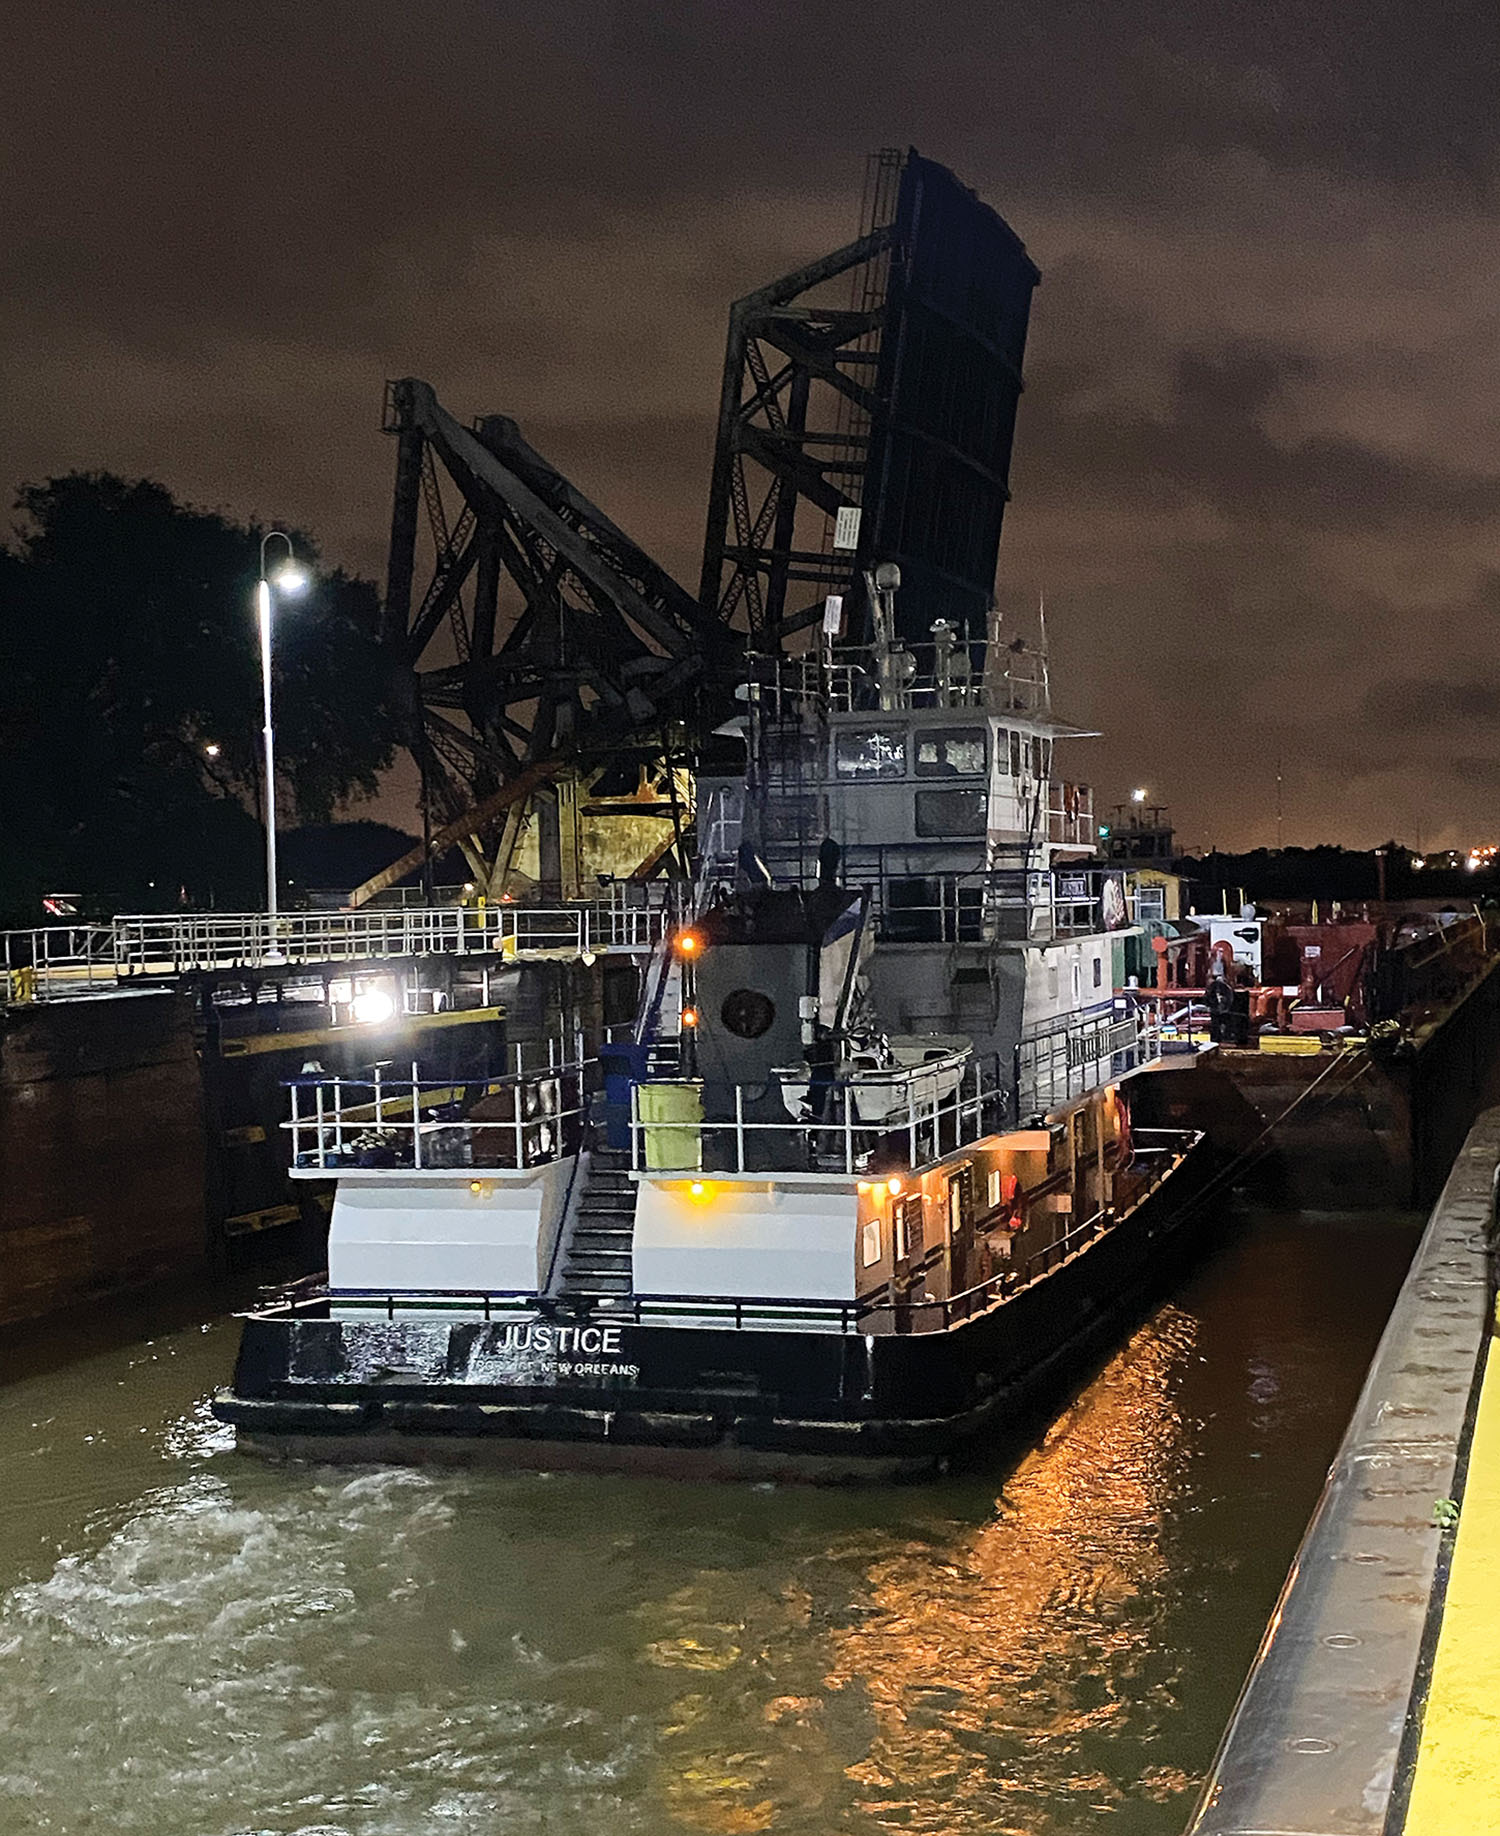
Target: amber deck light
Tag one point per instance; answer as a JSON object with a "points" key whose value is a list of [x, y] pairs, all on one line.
{"points": [[688, 943]]}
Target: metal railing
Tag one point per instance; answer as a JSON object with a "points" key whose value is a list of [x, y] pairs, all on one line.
{"points": [[1151, 1164], [55, 959], [1065, 1058], [412, 1124], [1017, 903], [959, 675], [905, 1116], [147, 944], [52, 961]]}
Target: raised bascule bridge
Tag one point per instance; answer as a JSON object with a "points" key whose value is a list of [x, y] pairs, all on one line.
{"points": [[559, 689], [557, 682]]}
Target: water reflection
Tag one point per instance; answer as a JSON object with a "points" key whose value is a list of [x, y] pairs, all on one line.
{"points": [[984, 1668], [195, 1644]]}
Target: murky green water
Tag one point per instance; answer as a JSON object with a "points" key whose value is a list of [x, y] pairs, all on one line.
{"points": [[192, 1643]]}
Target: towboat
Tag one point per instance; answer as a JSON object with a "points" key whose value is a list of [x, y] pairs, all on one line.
{"points": [[858, 1184]]}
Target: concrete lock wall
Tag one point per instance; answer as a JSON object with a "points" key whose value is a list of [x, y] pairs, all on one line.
{"points": [[102, 1151], [1322, 1737]]}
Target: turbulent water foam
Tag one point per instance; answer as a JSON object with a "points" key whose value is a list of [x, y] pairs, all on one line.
{"points": [[221, 1665]]}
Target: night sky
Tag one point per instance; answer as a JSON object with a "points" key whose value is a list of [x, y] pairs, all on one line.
{"points": [[1257, 471]]}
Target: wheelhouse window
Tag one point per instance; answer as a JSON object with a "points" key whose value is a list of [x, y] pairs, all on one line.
{"points": [[870, 752], [1015, 753], [950, 812], [950, 752]]}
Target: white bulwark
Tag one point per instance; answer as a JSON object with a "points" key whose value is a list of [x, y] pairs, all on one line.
{"points": [[489, 1231], [770, 1239]]}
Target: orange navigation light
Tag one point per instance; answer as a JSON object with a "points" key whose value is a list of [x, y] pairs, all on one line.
{"points": [[690, 1016], [688, 943]]}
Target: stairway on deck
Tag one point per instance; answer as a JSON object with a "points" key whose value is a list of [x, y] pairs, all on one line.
{"points": [[596, 1264]]}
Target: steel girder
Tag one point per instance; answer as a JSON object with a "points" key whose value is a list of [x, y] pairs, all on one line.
{"points": [[794, 425], [594, 649], [883, 381]]}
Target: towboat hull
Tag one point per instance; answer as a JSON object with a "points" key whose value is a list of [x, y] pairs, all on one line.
{"points": [[560, 1388]]}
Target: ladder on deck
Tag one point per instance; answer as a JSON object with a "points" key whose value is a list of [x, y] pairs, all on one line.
{"points": [[597, 1259]]}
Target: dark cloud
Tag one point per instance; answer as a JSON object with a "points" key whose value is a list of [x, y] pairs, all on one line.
{"points": [[1256, 474], [1422, 707]]}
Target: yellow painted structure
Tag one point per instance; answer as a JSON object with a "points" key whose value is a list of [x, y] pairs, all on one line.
{"points": [[1171, 884], [1456, 1789], [326, 1035]]}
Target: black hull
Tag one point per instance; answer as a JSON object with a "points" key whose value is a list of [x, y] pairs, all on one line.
{"points": [[750, 1402]]}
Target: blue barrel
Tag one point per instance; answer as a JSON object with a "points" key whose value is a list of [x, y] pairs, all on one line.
{"points": [[622, 1063]]}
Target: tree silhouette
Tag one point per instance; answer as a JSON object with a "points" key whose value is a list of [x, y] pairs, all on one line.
{"points": [[130, 698]]}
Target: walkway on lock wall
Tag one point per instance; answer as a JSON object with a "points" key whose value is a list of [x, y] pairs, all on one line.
{"points": [[1373, 1705], [55, 962]]}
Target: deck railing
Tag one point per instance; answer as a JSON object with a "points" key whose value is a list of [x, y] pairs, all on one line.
{"points": [[52, 958], [1156, 1154], [880, 1120], [152, 944], [393, 1120], [1064, 1058]]}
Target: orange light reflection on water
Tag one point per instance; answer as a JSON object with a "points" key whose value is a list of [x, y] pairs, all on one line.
{"points": [[940, 1674]]}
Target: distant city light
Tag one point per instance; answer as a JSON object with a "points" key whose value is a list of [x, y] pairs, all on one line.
{"points": [[1138, 795], [1418, 860], [212, 749]]}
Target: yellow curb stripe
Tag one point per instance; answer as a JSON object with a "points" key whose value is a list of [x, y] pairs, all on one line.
{"points": [[1456, 1788]]}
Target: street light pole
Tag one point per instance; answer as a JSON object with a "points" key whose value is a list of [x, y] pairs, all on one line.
{"points": [[291, 579]]}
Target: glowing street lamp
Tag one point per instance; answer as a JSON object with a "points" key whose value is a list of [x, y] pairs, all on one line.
{"points": [[289, 578]]}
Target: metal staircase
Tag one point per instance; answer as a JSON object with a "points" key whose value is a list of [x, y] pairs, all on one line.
{"points": [[597, 1261]]}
